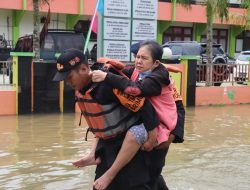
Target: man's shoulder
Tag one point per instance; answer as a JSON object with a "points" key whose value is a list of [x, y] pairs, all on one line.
{"points": [[160, 71]]}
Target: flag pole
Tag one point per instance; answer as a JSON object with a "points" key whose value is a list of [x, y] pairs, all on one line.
{"points": [[90, 29]]}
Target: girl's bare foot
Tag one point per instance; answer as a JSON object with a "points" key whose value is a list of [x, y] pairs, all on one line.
{"points": [[86, 161], [103, 182]]}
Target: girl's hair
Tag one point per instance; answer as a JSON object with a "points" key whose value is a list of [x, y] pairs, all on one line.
{"points": [[155, 49]]}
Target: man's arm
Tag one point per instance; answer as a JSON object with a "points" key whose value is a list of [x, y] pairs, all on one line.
{"points": [[149, 86], [105, 94]]}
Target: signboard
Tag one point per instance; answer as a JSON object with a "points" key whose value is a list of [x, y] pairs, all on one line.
{"points": [[116, 29], [117, 50], [123, 23], [144, 29], [117, 8], [145, 9]]}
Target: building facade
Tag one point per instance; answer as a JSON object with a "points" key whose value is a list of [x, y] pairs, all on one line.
{"points": [[175, 22]]}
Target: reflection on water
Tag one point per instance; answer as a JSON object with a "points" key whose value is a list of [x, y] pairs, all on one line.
{"points": [[36, 151]]}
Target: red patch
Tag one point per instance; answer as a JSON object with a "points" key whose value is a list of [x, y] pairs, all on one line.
{"points": [[132, 91]]}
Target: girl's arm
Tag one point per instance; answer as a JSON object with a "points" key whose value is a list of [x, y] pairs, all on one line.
{"points": [[149, 86]]}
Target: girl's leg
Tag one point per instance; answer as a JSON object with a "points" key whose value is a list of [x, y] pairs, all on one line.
{"points": [[151, 141], [89, 159], [134, 138]]}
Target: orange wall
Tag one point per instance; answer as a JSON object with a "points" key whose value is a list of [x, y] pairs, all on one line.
{"points": [[57, 6], [89, 7], [7, 102], [164, 11], [222, 95], [196, 14], [11, 4], [69, 7]]}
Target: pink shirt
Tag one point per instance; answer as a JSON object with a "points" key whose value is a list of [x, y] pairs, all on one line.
{"points": [[165, 107]]}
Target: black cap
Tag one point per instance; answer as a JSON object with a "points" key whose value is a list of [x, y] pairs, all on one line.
{"points": [[135, 47], [67, 61]]}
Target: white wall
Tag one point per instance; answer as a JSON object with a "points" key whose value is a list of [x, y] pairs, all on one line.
{"points": [[6, 24], [235, 1], [57, 21]]}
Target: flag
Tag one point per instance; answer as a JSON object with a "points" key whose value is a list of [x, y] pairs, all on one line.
{"points": [[94, 20], [100, 7], [95, 24], [45, 28]]}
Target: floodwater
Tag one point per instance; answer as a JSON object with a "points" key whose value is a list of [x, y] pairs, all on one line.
{"points": [[36, 151]]}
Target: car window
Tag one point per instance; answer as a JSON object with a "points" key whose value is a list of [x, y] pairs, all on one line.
{"points": [[218, 51], [176, 50], [28, 45], [191, 49], [244, 57], [19, 45], [66, 41], [48, 43]]}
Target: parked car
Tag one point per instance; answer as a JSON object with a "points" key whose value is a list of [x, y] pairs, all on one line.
{"points": [[5, 59], [241, 70], [93, 53], [56, 41], [5, 49], [193, 48]]}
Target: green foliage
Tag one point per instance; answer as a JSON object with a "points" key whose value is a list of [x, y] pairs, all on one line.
{"points": [[221, 8], [246, 4], [184, 2]]}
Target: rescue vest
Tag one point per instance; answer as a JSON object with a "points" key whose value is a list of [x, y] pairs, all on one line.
{"points": [[105, 121]]}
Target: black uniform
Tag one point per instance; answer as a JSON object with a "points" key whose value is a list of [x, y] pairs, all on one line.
{"points": [[136, 174], [152, 86]]}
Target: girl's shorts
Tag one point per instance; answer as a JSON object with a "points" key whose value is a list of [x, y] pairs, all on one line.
{"points": [[140, 133]]}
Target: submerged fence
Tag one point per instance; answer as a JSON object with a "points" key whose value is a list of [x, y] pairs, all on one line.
{"points": [[223, 73], [230, 74], [6, 73]]}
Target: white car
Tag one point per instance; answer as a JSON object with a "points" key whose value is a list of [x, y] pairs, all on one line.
{"points": [[241, 70]]}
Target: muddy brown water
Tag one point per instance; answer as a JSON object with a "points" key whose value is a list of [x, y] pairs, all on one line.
{"points": [[36, 151]]}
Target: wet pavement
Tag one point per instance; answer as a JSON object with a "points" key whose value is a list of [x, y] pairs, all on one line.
{"points": [[36, 151]]}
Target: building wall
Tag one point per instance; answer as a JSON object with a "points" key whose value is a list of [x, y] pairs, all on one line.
{"points": [[175, 14], [222, 95], [6, 24], [7, 102], [58, 21]]}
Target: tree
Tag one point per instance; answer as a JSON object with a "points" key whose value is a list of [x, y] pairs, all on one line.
{"points": [[218, 8], [36, 31]]}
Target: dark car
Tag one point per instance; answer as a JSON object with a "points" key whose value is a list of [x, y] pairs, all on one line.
{"points": [[93, 53], [192, 48], [56, 41], [5, 48], [182, 48]]}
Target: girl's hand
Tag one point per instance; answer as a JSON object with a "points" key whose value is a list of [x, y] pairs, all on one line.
{"points": [[98, 76]]}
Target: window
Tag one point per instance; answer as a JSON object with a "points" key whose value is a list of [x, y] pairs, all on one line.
{"points": [[49, 43], [220, 36], [178, 34], [243, 41]]}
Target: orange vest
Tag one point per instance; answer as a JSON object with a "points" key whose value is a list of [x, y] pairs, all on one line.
{"points": [[105, 121]]}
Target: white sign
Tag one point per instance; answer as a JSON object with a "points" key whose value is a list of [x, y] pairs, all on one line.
{"points": [[117, 50], [117, 8], [144, 29], [145, 9], [116, 29]]}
